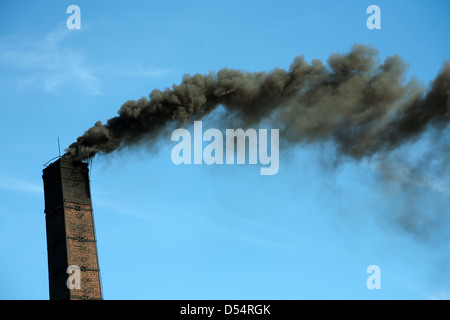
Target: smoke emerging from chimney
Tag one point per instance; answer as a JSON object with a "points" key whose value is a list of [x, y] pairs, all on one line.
{"points": [[362, 105]]}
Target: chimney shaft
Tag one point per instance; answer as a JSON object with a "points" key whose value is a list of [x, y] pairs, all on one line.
{"points": [[70, 232]]}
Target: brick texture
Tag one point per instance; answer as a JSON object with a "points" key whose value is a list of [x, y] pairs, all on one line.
{"points": [[70, 231]]}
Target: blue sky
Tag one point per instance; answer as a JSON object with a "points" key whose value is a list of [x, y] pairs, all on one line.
{"points": [[213, 232]]}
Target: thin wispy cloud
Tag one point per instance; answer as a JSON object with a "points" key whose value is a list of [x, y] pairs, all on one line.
{"points": [[48, 64], [138, 70], [118, 208], [19, 185]]}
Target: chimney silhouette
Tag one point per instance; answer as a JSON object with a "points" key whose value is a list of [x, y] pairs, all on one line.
{"points": [[73, 267]]}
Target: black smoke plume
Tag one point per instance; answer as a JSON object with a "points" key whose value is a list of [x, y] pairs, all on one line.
{"points": [[362, 105]]}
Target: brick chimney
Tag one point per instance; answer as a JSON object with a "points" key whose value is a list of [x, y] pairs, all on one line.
{"points": [[71, 243]]}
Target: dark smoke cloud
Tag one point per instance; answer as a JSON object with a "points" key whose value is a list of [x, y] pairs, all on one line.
{"points": [[362, 105]]}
